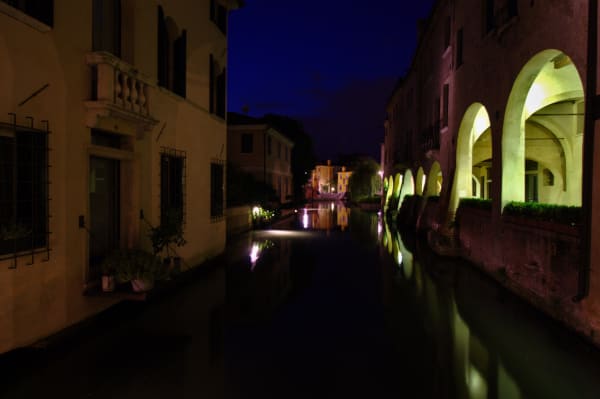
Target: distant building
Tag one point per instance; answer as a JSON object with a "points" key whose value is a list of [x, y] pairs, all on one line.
{"points": [[323, 178], [112, 115], [343, 178], [262, 151]]}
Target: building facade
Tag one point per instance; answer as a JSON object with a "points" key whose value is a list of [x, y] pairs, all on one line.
{"points": [[112, 116], [494, 107], [343, 178], [263, 152]]}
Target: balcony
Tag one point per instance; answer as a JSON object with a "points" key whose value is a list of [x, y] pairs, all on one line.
{"points": [[430, 137], [119, 91]]}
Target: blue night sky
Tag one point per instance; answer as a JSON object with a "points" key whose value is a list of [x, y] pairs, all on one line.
{"points": [[330, 63]]}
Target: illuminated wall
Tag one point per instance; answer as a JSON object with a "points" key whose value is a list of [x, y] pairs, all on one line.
{"points": [[118, 95]]}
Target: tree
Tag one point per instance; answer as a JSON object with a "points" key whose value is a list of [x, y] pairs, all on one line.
{"points": [[365, 180]]}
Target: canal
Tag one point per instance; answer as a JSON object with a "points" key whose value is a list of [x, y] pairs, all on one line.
{"points": [[332, 302]]}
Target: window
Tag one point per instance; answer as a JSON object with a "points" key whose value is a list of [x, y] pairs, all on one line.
{"points": [[42, 10], [488, 16], [217, 89], [218, 14], [269, 145], [172, 186], [513, 8], [447, 28], [171, 55], [106, 26], [23, 190], [446, 94], [247, 143], [217, 190], [459, 48]]}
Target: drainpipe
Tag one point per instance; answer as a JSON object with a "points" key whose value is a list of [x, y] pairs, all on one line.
{"points": [[583, 286]]}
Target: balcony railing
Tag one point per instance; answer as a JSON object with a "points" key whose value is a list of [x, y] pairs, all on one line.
{"points": [[430, 137], [118, 83], [119, 90]]}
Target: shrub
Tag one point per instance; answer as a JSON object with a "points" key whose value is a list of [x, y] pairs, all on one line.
{"points": [[370, 200], [549, 212], [478, 203]]}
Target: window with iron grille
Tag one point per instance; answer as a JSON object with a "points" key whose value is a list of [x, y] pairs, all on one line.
{"points": [[42, 10], [23, 191], [217, 189], [172, 186]]}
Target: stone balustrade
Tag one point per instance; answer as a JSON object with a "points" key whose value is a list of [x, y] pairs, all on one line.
{"points": [[119, 84]]}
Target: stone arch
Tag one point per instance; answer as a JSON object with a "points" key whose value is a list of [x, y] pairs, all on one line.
{"points": [[474, 124], [408, 186], [547, 91], [420, 181], [434, 180]]}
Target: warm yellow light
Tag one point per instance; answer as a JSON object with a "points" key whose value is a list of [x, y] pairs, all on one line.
{"points": [[535, 98], [481, 124]]}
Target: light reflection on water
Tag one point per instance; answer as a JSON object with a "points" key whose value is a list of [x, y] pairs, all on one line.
{"points": [[476, 339], [494, 345]]}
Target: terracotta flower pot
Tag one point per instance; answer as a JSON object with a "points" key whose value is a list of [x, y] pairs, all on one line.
{"points": [[108, 283], [141, 285]]}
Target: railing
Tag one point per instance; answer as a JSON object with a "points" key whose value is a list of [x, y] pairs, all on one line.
{"points": [[118, 83], [430, 137]]}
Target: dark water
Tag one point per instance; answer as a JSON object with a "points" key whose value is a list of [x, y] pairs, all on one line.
{"points": [[333, 303]]}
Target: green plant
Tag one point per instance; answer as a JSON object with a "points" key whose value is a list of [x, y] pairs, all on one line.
{"points": [[549, 212], [168, 233], [14, 231], [134, 264], [478, 203], [370, 200]]}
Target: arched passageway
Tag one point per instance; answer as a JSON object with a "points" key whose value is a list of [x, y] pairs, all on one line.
{"points": [[543, 133], [420, 181], [408, 186], [472, 177], [434, 180]]}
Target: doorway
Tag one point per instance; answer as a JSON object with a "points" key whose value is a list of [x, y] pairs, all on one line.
{"points": [[104, 223]]}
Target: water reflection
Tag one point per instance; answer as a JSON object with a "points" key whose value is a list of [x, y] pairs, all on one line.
{"points": [[379, 306], [490, 343], [325, 215]]}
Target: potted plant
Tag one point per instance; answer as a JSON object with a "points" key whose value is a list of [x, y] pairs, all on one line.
{"points": [[166, 235], [139, 267], [108, 269]]}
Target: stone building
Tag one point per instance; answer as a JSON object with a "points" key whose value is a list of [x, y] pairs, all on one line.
{"points": [[112, 115], [493, 107], [262, 151]]}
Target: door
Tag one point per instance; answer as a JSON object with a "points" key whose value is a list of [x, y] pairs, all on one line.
{"points": [[104, 211]]}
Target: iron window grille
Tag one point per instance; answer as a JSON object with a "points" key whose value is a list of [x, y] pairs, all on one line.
{"points": [[172, 185], [217, 189], [24, 191]]}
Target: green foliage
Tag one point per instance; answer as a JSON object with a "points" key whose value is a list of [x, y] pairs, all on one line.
{"points": [[478, 203], [168, 233], [133, 264], [370, 200], [14, 231], [244, 189], [364, 181], [548, 212]]}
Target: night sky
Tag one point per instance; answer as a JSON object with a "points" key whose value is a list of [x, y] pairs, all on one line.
{"points": [[330, 63]]}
